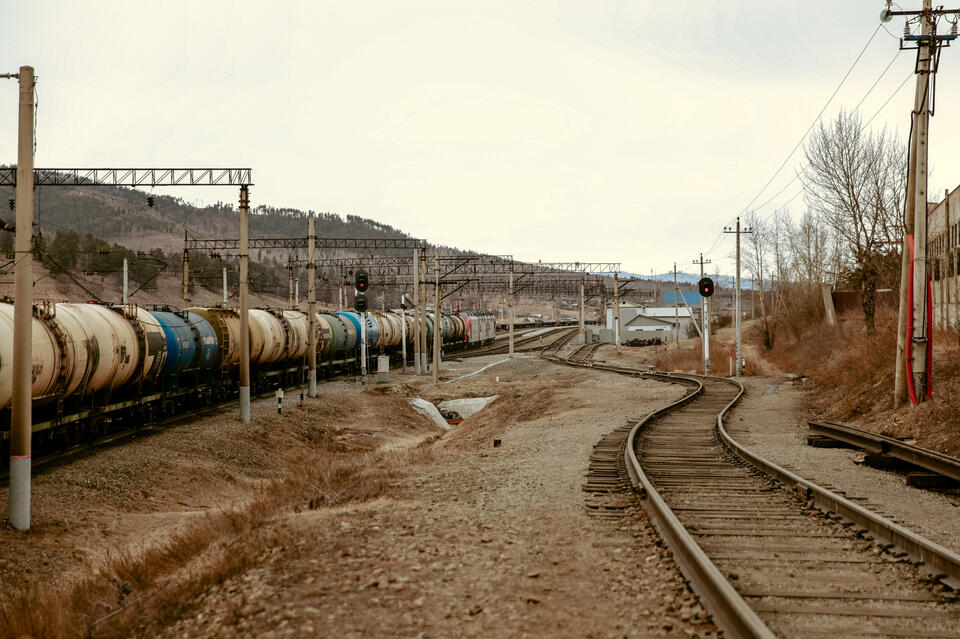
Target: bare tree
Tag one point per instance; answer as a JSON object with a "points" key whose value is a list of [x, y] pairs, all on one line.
{"points": [[854, 182], [756, 250]]}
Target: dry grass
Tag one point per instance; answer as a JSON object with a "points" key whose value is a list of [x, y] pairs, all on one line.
{"points": [[854, 372], [138, 593]]}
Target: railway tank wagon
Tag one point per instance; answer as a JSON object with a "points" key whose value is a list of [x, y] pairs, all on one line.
{"points": [[97, 366]]}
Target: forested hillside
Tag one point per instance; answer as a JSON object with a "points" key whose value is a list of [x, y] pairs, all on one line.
{"points": [[83, 234]]}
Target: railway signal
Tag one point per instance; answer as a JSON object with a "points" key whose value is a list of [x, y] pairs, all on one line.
{"points": [[706, 286], [360, 302], [361, 281]]}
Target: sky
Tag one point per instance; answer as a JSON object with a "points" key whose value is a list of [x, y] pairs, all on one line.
{"points": [[614, 131]]}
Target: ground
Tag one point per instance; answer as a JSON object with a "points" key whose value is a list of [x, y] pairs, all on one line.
{"points": [[353, 516]]}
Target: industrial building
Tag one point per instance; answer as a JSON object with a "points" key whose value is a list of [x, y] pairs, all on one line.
{"points": [[642, 322]]}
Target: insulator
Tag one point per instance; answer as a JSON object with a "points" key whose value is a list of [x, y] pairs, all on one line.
{"points": [[13, 202], [906, 29], [953, 28], [150, 201]]}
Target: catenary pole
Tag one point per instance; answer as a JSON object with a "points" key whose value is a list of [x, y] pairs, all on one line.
{"points": [[403, 333], [582, 335], [126, 288], [416, 311], [424, 354], [21, 415], [244, 305], [616, 310], [312, 304], [437, 324], [224, 285], [513, 308]]}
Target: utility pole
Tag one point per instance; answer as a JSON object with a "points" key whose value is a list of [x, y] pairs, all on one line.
{"points": [[914, 345], [311, 304], [616, 310], [676, 307], [705, 320], [737, 313], [21, 415]]}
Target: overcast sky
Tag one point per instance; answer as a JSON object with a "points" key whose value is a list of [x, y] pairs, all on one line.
{"points": [[559, 131]]}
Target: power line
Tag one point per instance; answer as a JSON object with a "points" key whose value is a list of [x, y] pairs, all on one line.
{"points": [[816, 119]]}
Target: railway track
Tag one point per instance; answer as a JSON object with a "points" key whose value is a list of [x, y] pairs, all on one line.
{"points": [[523, 343], [769, 553]]}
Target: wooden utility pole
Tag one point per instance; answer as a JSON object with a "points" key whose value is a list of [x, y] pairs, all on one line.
{"points": [[21, 412]]}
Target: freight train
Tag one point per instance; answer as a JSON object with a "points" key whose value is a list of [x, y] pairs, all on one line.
{"points": [[96, 366]]}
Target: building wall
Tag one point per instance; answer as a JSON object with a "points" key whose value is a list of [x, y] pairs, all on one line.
{"points": [[943, 260]]}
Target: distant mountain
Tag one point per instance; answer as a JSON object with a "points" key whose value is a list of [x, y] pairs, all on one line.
{"points": [[725, 281]]}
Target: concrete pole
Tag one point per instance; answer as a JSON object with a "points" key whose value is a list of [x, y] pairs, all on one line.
{"points": [[224, 285], [312, 305], [582, 339], [437, 324], [126, 297], [424, 354], [383, 296], [921, 322], [739, 366], [403, 334], [706, 336], [616, 310], [244, 312], [290, 282], [676, 307], [513, 308], [416, 311], [21, 416], [705, 323], [296, 292], [186, 275], [363, 347]]}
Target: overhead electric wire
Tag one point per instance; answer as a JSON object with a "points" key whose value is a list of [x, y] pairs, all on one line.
{"points": [[816, 119]]}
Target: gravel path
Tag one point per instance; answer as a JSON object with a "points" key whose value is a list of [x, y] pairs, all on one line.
{"points": [[772, 423]]}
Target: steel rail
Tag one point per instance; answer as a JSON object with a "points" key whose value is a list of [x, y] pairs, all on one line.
{"points": [[729, 610], [879, 444], [940, 562]]}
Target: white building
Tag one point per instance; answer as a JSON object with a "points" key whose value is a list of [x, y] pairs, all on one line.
{"points": [[645, 322]]}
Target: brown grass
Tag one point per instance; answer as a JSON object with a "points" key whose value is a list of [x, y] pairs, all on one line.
{"points": [[854, 372], [138, 593]]}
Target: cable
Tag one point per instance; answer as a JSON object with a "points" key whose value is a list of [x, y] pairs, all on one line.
{"points": [[816, 119]]}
